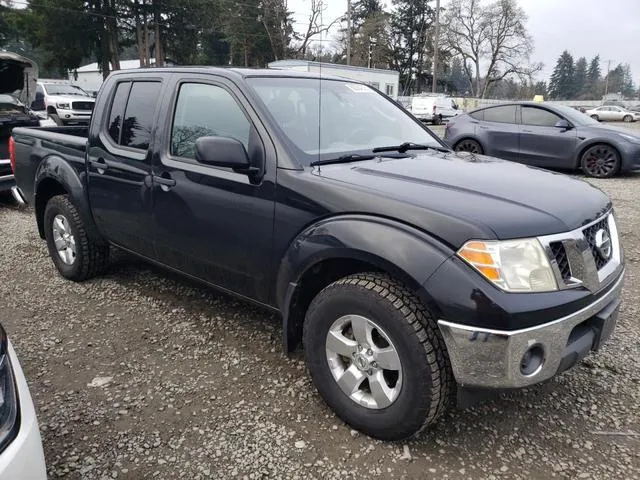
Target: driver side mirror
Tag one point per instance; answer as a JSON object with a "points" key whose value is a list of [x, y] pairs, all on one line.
{"points": [[222, 152], [564, 124]]}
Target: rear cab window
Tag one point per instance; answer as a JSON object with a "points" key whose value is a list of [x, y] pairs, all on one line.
{"points": [[131, 118]]}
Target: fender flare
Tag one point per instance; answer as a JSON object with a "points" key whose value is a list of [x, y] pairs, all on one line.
{"points": [[400, 250], [57, 169]]}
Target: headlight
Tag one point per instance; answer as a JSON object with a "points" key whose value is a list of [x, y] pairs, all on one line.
{"points": [[64, 106], [512, 265], [8, 399]]}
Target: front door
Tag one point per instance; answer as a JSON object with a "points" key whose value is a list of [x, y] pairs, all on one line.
{"points": [[211, 222], [120, 166], [542, 143]]}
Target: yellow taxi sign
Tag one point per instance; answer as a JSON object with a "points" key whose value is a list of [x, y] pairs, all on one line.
{"points": [[538, 98]]}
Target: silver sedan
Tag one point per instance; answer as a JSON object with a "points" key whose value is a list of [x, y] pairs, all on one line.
{"points": [[613, 113]]}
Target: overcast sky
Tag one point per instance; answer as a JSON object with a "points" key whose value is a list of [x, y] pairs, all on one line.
{"points": [[610, 28]]}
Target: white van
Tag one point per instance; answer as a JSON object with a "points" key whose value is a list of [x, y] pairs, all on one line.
{"points": [[434, 109]]}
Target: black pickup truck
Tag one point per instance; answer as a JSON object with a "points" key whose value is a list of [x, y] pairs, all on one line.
{"points": [[410, 274]]}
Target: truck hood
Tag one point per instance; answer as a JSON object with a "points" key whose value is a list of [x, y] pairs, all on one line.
{"points": [[18, 76], [53, 99], [499, 198]]}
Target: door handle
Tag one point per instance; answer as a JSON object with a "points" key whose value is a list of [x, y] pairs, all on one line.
{"points": [[100, 165], [165, 181]]}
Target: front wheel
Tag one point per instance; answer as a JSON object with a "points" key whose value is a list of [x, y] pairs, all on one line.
{"points": [[627, 118], [73, 253], [601, 161], [377, 357]]}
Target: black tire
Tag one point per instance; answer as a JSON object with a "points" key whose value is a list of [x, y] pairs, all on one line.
{"points": [[596, 118], [600, 161], [627, 118], [427, 380], [469, 145], [56, 118], [437, 120], [91, 259]]}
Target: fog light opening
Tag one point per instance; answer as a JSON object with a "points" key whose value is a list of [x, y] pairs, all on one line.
{"points": [[532, 361]]}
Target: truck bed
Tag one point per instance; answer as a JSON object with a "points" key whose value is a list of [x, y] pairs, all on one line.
{"points": [[33, 144]]}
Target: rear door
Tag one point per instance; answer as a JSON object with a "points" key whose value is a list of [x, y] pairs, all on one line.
{"points": [[212, 222], [119, 164], [543, 144], [499, 133]]}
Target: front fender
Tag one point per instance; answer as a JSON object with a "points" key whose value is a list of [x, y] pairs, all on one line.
{"points": [[54, 170], [400, 250]]}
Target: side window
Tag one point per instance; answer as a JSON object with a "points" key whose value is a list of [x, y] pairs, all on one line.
{"points": [[206, 110], [539, 117], [138, 116], [390, 89], [503, 114], [478, 115], [117, 110]]}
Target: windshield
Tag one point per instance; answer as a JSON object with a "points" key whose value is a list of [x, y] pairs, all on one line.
{"points": [[574, 116], [62, 89], [325, 119]]}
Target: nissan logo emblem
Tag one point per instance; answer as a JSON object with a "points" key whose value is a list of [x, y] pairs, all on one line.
{"points": [[603, 243]]}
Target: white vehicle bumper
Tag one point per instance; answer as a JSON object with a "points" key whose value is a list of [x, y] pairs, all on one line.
{"points": [[23, 458]]}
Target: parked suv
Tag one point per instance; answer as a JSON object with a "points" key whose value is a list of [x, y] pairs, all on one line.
{"points": [[64, 103]]}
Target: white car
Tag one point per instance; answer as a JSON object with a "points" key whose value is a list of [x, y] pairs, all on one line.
{"points": [[433, 108], [64, 103], [21, 453], [613, 113]]}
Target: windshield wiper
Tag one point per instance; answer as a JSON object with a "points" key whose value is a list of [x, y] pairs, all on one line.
{"points": [[343, 159], [403, 147]]}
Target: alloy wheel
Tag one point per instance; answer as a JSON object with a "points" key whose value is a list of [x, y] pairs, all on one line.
{"points": [[64, 240], [363, 361]]}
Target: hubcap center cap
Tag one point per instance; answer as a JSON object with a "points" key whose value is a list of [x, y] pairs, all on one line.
{"points": [[362, 362]]}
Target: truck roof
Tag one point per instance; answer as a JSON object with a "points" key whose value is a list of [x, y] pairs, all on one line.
{"points": [[232, 72]]}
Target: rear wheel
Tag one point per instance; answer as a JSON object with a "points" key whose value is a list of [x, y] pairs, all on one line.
{"points": [[627, 118], [73, 253], [377, 357], [468, 145], [601, 161], [595, 117]]}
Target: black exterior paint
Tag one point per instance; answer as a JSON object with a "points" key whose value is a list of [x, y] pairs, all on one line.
{"points": [[257, 238]]}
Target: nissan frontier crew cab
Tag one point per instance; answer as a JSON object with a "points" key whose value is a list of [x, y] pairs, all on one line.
{"points": [[411, 275]]}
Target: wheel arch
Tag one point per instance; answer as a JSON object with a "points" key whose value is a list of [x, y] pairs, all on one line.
{"points": [[56, 177], [343, 246], [593, 143]]}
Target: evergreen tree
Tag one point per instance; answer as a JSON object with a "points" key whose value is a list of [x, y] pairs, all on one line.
{"points": [[593, 87], [562, 79], [628, 87], [411, 21], [580, 77], [457, 77]]}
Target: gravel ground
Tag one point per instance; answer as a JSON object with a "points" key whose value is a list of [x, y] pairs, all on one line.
{"points": [[139, 374]]}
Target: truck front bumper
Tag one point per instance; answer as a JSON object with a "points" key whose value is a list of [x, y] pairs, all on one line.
{"points": [[75, 116], [496, 359]]}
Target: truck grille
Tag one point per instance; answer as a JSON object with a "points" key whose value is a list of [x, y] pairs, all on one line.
{"points": [[560, 254], [82, 106], [590, 237], [575, 258]]}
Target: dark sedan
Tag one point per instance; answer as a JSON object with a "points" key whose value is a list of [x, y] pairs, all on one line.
{"points": [[548, 136]]}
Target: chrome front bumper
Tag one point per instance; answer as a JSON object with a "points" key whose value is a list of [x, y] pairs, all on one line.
{"points": [[487, 358]]}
